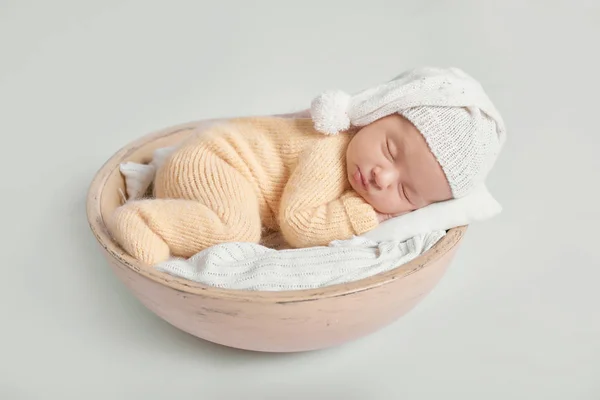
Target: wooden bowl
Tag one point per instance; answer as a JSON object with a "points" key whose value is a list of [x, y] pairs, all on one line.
{"points": [[288, 321]]}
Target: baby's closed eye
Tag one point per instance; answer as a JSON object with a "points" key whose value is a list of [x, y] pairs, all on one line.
{"points": [[391, 149]]}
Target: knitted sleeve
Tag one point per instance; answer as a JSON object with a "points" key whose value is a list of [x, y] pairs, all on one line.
{"points": [[316, 205]]}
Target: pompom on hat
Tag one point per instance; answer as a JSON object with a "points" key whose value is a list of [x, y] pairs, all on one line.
{"points": [[460, 124]]}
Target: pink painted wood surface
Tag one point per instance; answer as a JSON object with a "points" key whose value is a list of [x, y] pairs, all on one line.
{"points": [[287, 321]]}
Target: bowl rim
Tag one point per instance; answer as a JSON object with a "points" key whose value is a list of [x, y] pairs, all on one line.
{"points": [[96, 223]]}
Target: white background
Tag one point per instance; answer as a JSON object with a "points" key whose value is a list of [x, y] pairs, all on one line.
{"points": [[517, 315]]}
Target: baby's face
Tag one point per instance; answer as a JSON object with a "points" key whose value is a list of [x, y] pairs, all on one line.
{"points": [[390, 165]]}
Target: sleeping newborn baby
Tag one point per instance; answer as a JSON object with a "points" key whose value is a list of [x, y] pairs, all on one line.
{"points": [[427, 136]]}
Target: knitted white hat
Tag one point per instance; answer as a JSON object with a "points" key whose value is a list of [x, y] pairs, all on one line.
{"points": [[462, 127]]}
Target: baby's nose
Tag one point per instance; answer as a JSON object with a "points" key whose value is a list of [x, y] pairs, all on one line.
{"points": [[384, 178]]}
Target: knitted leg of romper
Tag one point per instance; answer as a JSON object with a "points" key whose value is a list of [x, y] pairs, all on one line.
{"points": [[205, 203]]}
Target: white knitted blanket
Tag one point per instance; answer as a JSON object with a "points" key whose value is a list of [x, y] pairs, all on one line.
{"points": [[251, 266]]}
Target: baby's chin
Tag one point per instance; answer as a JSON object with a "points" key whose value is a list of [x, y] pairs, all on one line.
{"points": [[383, 208], [365, 196]]}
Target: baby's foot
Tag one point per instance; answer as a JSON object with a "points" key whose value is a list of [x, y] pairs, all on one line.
{"points": [[131, 231]]}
